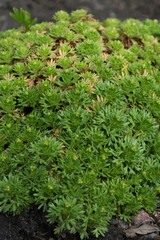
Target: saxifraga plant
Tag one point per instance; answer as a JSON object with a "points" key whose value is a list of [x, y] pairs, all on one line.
{"points": [[80, 119]]}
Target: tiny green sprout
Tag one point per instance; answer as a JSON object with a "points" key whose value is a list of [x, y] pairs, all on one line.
{"points": [[111, 33], [48, 71], [88, 47], [35, 65], [67, 77], [81, 66], [13, 195], [21, 51], [70, 35], [4, 69], [44, 51], [65, 62], [111, 22], [58, 31], [116, 61], [19, 68], [8, 125], [61, 16], [80, 27], [92, 35], [78, 15], [116, 45], [23, 17]]}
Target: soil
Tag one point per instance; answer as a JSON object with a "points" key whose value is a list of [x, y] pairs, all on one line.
{"points": [[32, 225]]}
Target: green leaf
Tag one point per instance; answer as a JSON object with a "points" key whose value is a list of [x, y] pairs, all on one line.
{"points": [[23, 17]]}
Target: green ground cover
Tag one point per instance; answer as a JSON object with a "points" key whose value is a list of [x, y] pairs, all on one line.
{"points": [[80, 119]]}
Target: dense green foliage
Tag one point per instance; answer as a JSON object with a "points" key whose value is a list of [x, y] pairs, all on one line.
{"points": [[80, 120]]}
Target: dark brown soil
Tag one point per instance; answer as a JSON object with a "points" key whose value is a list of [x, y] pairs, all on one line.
{"points": [[32, 225]]}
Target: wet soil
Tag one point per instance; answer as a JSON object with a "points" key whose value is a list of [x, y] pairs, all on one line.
{"points": [[32, 225]]}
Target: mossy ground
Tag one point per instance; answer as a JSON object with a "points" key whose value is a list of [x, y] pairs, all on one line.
{"points": [[116, 74]]}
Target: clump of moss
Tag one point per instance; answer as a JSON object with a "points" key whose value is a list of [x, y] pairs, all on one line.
{"points": [[80, 120]]}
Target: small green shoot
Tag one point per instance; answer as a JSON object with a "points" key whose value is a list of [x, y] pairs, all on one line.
{"points": [[23, 17]]}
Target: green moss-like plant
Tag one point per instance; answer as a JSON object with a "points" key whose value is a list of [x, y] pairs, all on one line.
{"points": [[80, 120]]}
